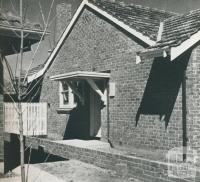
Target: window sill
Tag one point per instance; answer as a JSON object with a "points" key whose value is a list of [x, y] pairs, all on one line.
{"points": [[64, 110]]}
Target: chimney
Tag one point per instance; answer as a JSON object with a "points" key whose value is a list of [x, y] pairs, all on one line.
{"points": [[64, 15]]}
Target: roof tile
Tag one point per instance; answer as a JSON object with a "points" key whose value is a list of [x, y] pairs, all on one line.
{"points": [[143, 19], [179, 28]]}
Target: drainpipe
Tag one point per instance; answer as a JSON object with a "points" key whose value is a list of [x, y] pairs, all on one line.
{"points": [[184, 116]]}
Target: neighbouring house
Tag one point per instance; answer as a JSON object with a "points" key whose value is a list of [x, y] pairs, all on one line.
{"points": [[118, 74], [10, 44]]}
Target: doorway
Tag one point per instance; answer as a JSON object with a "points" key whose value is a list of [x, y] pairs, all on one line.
{"points": [[95, 115]]}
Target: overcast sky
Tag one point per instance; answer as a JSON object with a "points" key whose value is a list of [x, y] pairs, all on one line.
{"points": [[33, 13]]}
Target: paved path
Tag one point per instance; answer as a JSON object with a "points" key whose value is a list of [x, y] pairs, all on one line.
{"points": [[35, 175], [65, 171]]}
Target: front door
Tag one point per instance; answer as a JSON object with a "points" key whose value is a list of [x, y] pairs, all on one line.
{"points": [[95, 114]]}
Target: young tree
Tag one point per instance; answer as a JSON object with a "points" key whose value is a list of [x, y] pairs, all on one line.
{"points": [[19, 98], [19, 84]]}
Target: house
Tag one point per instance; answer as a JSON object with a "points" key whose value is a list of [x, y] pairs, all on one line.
{"points": [[10, 44], [97, 52], [118, 74]]}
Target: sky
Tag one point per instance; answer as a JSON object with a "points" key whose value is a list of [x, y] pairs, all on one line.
{"points": [[33, 13]]}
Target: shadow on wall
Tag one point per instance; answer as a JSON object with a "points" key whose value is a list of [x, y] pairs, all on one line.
{"points": [[162, 87], [78, 123]]}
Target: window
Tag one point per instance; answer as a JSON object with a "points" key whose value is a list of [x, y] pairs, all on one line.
{"points": [[66, 96]]}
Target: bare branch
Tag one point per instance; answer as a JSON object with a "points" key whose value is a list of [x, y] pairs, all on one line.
{"points": [[12, 79], [13, 7], [40, 41], [25, 10], [10, 97], [33, 86], [41, 11]]}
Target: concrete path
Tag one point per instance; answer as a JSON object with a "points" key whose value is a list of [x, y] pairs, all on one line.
{"points": [[65, 171], [35, 175]]}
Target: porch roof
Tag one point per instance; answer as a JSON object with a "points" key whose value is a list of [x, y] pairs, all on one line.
{"points": [[80, 75]]}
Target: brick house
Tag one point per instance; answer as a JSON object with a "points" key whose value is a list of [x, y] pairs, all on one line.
{"points": [[10, 44], [118, 74]]}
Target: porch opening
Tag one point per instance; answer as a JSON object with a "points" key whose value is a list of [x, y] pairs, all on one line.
{"points": [[90, 95]]}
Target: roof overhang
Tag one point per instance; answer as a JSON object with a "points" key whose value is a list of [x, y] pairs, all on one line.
{"points": [[152, 53], [172, 51], [81, 75]]}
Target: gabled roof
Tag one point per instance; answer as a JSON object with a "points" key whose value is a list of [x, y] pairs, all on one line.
{"points": [[141, 22], [143, 19], [166, 33], [180, 32]]}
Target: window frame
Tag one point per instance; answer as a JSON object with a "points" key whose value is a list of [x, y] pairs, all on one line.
{"points": [[71, 100]]}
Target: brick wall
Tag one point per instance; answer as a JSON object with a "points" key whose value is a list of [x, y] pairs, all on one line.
{"points": [[95, 44], [193, 97], [129, 167], [1, 113]]}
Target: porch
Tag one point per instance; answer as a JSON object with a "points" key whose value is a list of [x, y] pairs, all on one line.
{"points": [[34, 116]]}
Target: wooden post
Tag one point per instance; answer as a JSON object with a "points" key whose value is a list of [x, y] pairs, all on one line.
{"points": [[184, 116]]}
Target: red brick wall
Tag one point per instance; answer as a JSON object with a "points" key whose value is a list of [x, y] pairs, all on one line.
{"points": [[95, 44]]}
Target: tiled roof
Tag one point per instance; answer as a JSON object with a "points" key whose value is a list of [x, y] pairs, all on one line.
{"points": [[143, 19], [176, 28], [179, 28], [11, 21]]}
